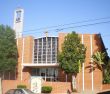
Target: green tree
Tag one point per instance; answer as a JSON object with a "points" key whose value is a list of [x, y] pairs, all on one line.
{"points": [[102, 61], [106, 72], [8, 49], [72, 55]]}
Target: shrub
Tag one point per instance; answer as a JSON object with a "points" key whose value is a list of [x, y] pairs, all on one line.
{"points": [[21, 86], [46, 89], [106, 79]]}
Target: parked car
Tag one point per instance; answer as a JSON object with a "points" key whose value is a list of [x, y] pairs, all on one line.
{"points": [[19, 91]]}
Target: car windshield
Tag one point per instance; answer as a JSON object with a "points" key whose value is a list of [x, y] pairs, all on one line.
{"points": [[29, 91]]}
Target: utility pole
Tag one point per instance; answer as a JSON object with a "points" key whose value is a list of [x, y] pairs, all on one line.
{"points": [[46, 34]]}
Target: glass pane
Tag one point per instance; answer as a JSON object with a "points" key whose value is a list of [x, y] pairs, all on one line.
{"points": [[38, 72], [49, 49], [33, 73]]}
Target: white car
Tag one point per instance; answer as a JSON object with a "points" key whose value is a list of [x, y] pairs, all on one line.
{"points": [[19, 91]]}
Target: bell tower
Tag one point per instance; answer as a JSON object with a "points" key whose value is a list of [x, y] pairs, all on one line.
{"points": [[18, 22]]}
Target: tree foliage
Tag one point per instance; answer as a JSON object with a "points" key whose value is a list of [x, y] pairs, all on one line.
{"points": [[102, 61], [72, 54], [99, 59], [8, 49], [106, 72]]}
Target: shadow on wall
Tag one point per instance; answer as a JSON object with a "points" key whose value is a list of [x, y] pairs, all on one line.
{"points": [[98, 43], [68, 91], [95, 66], [99, 46]]}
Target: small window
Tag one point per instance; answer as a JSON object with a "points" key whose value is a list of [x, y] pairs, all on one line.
{"points": [[18, 16]]}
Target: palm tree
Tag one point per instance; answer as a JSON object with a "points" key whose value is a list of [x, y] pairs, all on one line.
{"points": [[99, 59]]}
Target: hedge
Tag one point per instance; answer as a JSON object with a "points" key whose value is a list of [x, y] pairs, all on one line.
{"points": [[46, 89], [21, 86]]}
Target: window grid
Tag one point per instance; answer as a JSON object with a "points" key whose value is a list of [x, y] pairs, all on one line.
{"points": [[45, 50], [48, 74]]}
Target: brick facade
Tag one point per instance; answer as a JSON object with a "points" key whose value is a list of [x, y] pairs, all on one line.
{"points": [[96, 45], [59, 87], [92, 42], [22, 57]]}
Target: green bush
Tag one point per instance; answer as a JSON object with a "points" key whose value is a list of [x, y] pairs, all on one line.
{"points": [[21, 86], [106, 81], [46, 89], [106, 78]]}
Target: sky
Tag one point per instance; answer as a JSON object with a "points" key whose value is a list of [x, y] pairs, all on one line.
{"points": [[46, 13]]}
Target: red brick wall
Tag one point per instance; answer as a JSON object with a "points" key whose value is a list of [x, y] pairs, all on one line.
{"points": [[59, 87], [106, 86], [6, 85], [28, 51], [12, 84], [97, 74], [27, 57]]}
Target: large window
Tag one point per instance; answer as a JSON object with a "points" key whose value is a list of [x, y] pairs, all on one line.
{"points": [[48, 74], [45, 50]]}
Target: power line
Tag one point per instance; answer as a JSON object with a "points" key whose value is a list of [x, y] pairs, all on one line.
{"points": [[91, 24], [77, 26], [61, 25]]}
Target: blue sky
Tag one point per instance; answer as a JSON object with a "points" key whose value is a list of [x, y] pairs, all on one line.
{"points": [[46, 13]]}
